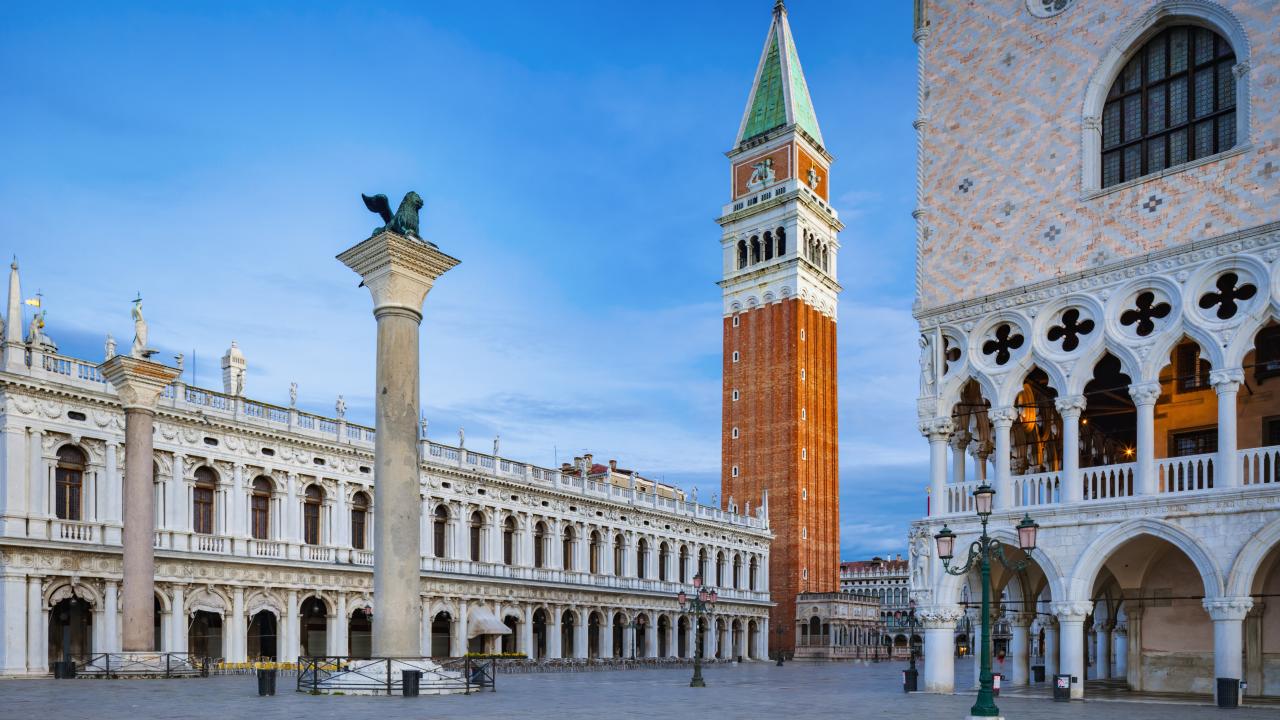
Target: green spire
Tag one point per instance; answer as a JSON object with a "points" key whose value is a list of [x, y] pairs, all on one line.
{"points": [[779, 95]]}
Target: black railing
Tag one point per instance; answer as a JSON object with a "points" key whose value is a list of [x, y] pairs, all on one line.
{"points": [[330, 673], [157, 664]]}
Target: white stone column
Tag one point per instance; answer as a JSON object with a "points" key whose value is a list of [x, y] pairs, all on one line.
{"points": [[1228, 614], [13, 624], [553, 633], [1070, 408], [238, 510], [713, 639], [1019, 646], [1144, 397], [1071, 617], [937, 430], [1001, 420], [526, 634], [580, 634], [458, 640], [1102, 650], [651, 638], [959, 443], [37, 626], [938, 625], [628, 639], [138, 384], [39, 487], [236, 636], [424, 628], [290, 632], [1226, 383], [342, 640], [762, 642], [1050, 647], [111, 617], [1120, 652], [606, 634], [399, 271], [178, 623], [975, 622], [113, 495]]}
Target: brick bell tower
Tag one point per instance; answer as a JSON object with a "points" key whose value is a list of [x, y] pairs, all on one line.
{"points": [[779, 240]]}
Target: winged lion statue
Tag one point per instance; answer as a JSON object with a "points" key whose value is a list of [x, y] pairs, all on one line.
{"points": [[404, 222]]}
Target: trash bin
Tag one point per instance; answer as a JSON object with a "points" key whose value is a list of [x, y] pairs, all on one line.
{"points": [[1061, 688], [995, 683], [1037, 673], [1228, 692], [410, 680], [266, 682], [910, 677], [56, 667]]}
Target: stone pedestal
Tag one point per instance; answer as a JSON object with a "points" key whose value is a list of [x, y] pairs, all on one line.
{"points": [[399, 272], [139, 384]]}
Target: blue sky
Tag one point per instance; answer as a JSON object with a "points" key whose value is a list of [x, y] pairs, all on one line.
{"points": [[211, 156]]}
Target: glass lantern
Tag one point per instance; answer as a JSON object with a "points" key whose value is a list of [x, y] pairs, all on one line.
{"points": [[1027, 530], [946, 543]]}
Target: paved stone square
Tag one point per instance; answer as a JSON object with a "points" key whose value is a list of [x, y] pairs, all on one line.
{"points": [[750, 691]]}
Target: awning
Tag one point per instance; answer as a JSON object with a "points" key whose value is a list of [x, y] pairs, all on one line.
{"points": [[480, 621]]}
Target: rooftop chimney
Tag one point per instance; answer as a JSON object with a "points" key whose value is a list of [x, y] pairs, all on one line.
{"points": [[613, 466]]}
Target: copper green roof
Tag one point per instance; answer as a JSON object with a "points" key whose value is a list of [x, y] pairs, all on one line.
{"points": [[779, 95]]}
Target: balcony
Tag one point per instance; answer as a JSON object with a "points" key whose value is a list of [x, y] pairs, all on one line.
{"points": [[75, 531], [1187, 476]]}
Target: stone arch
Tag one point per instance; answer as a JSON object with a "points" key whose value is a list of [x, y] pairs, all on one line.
{"points": [[260, 600], [1247, 562], [1128, 42], [1082, 371], [1017, 377], [1244, 339], [440, 605], [62, 589], [1161, 354], [952, 391], [208, 599], [1095, 556]]}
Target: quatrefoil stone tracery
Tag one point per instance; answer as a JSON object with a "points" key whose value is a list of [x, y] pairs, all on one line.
{"points": [[1070, 329], [1006, 340], [950, 354], [1231, 292], [1145, 314]]}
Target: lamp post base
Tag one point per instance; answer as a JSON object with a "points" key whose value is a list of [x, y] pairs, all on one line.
{"points": [[697, 682], [984, 717]]}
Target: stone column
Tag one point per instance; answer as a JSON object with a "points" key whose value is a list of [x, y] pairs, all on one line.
{"points": [[458, 641], [178, 620], [1120, 651], [1050, 647], [975, 625], [1001, 420], [1070, 408], [1144, 397], [113, 495], [937, 430], [139, 384], [959, 443], [651, 639], [553, 633], [290, 633], [1253, 648], [238, 631], [526, 634], [1019, 645], [939, 625], [1071, 617], [580, 633], [111, 617], [424, 627], [1133, 621], [37, 626], [1102, 652], [398, 271], [1226, 383], [1228, 615]]}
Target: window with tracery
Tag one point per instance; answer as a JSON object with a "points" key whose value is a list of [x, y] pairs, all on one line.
{"points": [[69, 480], [202, 501], [1174, 102], [260, 509]]}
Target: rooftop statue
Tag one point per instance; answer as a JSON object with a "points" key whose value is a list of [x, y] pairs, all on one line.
{"points": [[140, 349], [404, 222]]}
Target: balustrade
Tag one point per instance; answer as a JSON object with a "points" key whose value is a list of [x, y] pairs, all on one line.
{"points": [[1184, 474], [75, 531], [209, 543], [317, 553], [362, 557], [1259, 466], [266, 548], [1107, 481], [1037, 489]]}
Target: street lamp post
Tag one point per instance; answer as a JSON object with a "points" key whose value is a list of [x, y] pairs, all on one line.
{"points": [[981, 552], [780, 633], [909, 683], [700, 603]]}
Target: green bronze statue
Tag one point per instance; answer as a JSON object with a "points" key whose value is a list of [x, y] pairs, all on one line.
{"points": [[404, 222]]}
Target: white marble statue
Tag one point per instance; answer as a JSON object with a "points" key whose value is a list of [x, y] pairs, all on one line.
{"points": [[109, 348], [462, 438], [341, 407], [293, 394], [496, 438], [926, 366], [139, 349], [177, 359]]}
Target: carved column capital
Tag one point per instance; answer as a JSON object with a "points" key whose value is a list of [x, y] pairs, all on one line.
{"points": [[961, 440], [399, 271], [137, 382], [1240, 69], [1002, 416], [1071, 611], [1070, 405], [937, 428], [1227, 380], [1020, 619], [1145, 393], [1093, 122], [1228, 608], [939, 617]]}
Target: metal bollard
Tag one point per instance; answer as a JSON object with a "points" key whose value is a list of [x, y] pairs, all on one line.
{"points": [[410, 680], [266, 682]]}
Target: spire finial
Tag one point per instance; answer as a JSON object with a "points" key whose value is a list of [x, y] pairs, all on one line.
{"points": [[779, 8]]}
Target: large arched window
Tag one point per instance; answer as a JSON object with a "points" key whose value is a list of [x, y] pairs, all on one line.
{"points": [[540, 544], [312, 501], [202, 501], [1174, 102], [508, 540], [595, 551], [566, 547], [782, 241], [664, 556], [359, 520], [751, 575], [260, 509], [477, 525], [742, 254], [619, 554], [683, 565], [440, 524], [69, 478], [642, 557]]}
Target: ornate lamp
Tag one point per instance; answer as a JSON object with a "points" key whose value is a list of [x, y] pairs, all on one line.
{"points": [[697, 580], [946, 543], [1027, 530], [983, 496], [682, 598]]}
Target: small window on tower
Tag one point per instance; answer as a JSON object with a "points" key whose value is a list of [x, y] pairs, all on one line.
{"points": [[801, 334], [735, 356], [735, 471], [805, 573], [804, 453], [735, 321], [735, 433], [804, 414], [735, 395], [804, 533], [804, 493], [801, 374]]}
